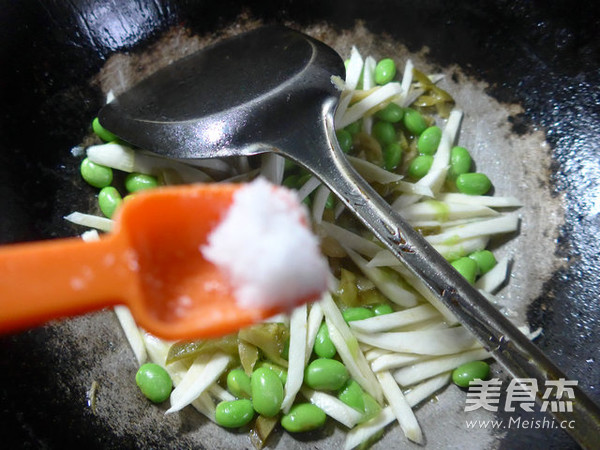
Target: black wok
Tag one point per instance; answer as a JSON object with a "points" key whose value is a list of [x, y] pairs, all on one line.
{"points": [[537, 64]]}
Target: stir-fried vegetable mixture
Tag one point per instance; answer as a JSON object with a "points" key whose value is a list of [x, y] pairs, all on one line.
{"points": [[373, 348]]}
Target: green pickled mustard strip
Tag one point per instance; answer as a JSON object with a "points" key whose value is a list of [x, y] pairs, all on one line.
{"points": [[187, 349], [270, 338]]}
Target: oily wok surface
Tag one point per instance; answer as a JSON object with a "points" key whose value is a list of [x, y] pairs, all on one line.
{"points": [[526, 76]]}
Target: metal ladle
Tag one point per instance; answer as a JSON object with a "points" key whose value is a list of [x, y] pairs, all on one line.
{"points": [[270, 90]]}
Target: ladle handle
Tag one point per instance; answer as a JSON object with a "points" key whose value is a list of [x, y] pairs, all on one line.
{"points": [[57, 278], [438, 281]]}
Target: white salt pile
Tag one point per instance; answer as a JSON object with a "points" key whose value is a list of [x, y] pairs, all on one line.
{"points": [[266, 249]]}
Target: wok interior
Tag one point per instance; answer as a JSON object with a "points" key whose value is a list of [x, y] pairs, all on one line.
{"points": [[540, 65]]}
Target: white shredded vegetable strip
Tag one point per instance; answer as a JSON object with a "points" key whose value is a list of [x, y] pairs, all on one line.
{"points": [[126, 159], [428, 342], [445, 211], [481, 200], [394, 361], [272, 167], [484, 227], [442, 225], [311, 184], [342, 107], [413, 94], [441, 158], [368, 83], [364, 431], [420, 287], [333, 407], [220, 393], [351, 240], [410, 188], [372, 172], [397, 319], [132, 332], [113, 155], [462, 248], [198, 378], [386, 284], [436, 77], [347, 347], [372, 353], [157, 349], [242, 177], [337, 81], [90, 235], [427, 388], [492, 280], [216, 166], [409, 375], [406, 81], [354, 69], [319, 202], [402, 410], [377, 96], [530, 334], [90, 220], [297, 355], [315, 318]]}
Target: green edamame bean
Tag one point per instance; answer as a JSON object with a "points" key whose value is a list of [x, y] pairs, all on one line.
{"points": [[234, 413], [392, 155], [352, 395], [267, 392], [330, 202], [154, 382], [109, 200], [135, 182], [324, 347], [385, 71], [384, 132], [467, 267], [357, 313], [302, 179], [382, 309], [95, 174], [303, 417], [473, 183], [289, 165], [238, 383], [344, 138], [460, 161], [419, 167], [391, 113], [474, 370], [485, 260], [429, 140], [326, 374], [291, 181], [102, 132], [353, 128], [279, 371], [414, 121]]}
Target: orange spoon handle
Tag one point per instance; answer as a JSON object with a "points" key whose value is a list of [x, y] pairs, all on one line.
{"points": [[47, 280]]}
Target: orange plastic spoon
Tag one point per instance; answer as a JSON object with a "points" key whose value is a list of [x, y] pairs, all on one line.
{"points": [[151, 262]]}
